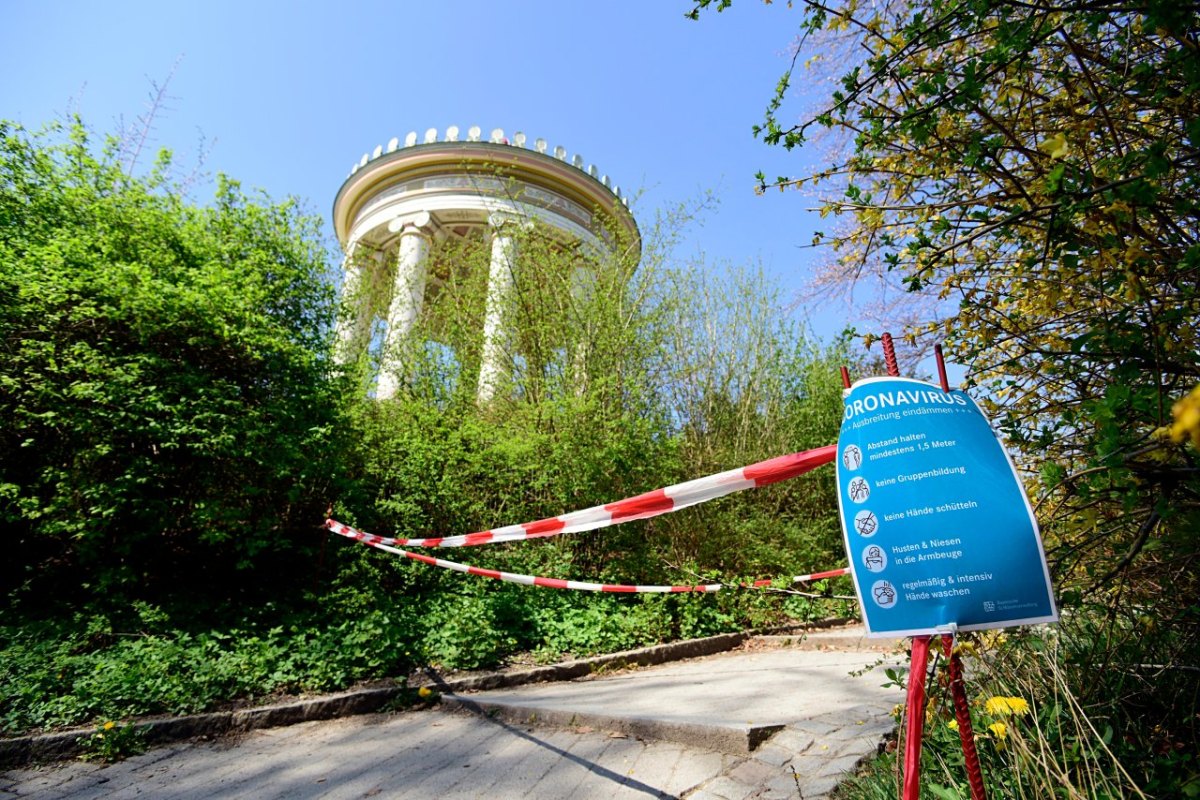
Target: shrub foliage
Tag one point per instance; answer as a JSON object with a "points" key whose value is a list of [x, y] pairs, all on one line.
{"points": [[174, 430], [1026, 173], [163, 384]]}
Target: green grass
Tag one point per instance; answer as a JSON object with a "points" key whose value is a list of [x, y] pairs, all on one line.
{"points": [[92, 669], [57, 675], [1085, 725]]}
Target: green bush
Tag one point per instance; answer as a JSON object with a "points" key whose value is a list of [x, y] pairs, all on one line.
{"points": [[168, 412]]}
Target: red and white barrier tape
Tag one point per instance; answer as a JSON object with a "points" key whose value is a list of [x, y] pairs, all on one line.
{"points": [[555, 583], [816, 576], [644, 506], [527, 580]]}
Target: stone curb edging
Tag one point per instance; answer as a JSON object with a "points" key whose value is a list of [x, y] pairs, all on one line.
{"points": [[569, 670], [22, 750], [740, 739]]}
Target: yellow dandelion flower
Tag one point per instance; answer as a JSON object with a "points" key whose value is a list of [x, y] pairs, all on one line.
{"points": [[1006, 706], [1000, 732], [108, 726], [424, 692], [952, 725]]}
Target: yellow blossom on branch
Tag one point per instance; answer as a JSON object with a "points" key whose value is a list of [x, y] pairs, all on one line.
{"points": [[1186, 414], [966, 649], [1056, 146]]}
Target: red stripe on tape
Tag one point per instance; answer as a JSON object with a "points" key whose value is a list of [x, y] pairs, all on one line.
{"points": [[550, 583], [780, 469], [544, 527], [643, 505], [833, 573], [485, 573], [426, 559], [618, 588]]}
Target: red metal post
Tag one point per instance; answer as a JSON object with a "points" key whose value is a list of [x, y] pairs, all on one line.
{"points": [[941, 365], [962, 713], [915, 709], [889, 355], [915, 704]]}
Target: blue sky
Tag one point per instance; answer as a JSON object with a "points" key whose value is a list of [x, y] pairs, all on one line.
{"points": [[290, 95]]}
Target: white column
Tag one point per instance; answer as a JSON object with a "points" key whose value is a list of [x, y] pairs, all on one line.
{"points": [[583, 289], [408, 295], [354, 312], [494, 360]]}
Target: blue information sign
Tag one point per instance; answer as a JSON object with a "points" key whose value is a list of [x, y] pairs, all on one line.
{"points": [[937, 526]]}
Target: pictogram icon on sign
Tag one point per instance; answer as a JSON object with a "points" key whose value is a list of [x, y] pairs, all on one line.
{"points": [[884, 594], [874, 558], [852, 457]]}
